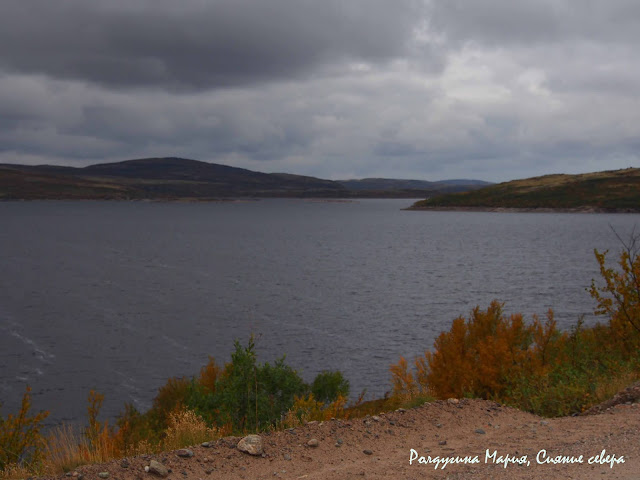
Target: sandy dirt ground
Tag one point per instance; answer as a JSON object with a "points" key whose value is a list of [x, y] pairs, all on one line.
{"points": [[396, 445]]}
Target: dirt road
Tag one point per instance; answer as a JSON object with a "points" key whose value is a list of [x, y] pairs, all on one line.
{"points": [[409, 445]]}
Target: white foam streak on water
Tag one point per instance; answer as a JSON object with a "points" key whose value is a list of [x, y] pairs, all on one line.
{"points": [[38, 352]]}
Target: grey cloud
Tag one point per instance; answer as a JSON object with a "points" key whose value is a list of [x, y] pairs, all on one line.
{"points": [[197, 45], [511, 22]]}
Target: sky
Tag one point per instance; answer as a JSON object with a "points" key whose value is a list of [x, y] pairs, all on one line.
{"points": [[486, 89]]}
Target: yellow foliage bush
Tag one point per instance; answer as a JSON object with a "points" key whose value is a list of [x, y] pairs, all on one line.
{"points": [[187, 428]]}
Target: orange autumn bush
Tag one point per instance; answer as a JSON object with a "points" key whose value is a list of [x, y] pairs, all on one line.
{"points": [[21, 440], [619, 297], [481, 356]]}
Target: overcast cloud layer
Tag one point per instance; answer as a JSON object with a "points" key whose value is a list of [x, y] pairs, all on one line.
{"points": [[489, 89]]}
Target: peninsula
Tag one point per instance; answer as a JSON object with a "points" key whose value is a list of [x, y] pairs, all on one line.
{"points": [[607, 191]]}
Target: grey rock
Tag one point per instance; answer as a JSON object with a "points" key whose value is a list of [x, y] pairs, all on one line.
{"points": [[184, 453], [376, 418], [480, 431], [157, 468], [103, 474], [287, 457], [367, 452], [251, 444], [313, 443]]}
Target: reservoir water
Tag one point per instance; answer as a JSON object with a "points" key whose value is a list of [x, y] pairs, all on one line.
{"points": [[119, 296]]}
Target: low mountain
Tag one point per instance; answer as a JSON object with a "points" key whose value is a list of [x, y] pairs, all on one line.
{"points": [[157, 178], [402, 184], [179, 178], [612, 190]]}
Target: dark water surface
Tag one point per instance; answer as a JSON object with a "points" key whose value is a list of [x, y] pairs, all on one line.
{"points": [[119, 296]]}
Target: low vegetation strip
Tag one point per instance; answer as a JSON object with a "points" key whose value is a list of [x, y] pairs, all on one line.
{"points": [[617, 190]]}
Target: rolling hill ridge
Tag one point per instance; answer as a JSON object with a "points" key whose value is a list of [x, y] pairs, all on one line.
{"points": [[174, 178]]}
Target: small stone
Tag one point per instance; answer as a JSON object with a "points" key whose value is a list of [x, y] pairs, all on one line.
{"points": [[184, 453], [442, 442], [251, 444], [438, 425], [544, 422], [376, 418], [313, 443], [312, 422], [75, 474], [401, 410], [206, 444], [157, 468], [453, 401], [124, 463], [480, 431], [287, 457], [146, 468], [230, 441], [367, 452], [103, 474], [80, 476]]}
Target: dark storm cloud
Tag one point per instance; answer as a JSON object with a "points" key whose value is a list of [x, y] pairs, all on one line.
{"points": [[195, 44]]}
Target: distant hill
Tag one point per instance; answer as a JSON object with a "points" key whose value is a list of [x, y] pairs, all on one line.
{"points": [[613, 190], [155, 178], [399, 184], [178, 178]]}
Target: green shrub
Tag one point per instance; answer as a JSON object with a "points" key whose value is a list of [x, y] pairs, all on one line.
{"points": [[251, 396], [328, 385]]}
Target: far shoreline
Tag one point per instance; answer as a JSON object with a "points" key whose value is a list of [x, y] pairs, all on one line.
{"points": [[583, 209]]}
